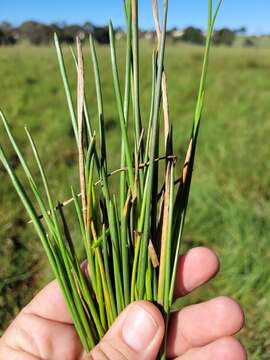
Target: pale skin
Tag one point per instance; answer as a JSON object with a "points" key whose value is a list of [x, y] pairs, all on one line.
{"points": [[44, 329]]}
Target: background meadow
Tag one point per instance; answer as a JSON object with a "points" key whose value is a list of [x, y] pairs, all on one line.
{"points": [[229, 207]]}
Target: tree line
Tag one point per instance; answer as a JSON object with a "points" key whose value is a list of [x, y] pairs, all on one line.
{"points": [[41, 34]]}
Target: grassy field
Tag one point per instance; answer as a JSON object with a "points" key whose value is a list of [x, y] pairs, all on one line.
{"points": [[230, 199]]}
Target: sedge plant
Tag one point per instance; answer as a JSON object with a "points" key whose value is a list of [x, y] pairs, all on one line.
{"points": [[132, 237]]}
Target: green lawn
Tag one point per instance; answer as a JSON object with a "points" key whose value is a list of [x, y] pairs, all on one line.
{"points": [[230, 199]]}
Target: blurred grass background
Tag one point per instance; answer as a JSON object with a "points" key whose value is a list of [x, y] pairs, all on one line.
{"points": [[230, 198]]}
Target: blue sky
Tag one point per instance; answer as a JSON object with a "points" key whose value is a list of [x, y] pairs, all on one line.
{"points": [[254, 14]]}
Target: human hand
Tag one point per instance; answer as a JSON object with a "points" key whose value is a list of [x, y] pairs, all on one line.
{"points": [[44, 329]]}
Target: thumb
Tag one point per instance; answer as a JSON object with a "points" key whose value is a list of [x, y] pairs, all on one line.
{"points": [[136, 334]]}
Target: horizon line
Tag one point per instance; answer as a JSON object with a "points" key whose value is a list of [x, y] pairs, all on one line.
{"points": [[62, 23]]}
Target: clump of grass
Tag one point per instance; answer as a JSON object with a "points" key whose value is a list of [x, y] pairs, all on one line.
{"points": [[131, 238]]}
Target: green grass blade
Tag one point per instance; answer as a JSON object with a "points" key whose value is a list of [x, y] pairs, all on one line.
{"points": [[29, 176], [136, 69], [188, 166], [169, 245], [123, 187], [108, 274], [45, 242], [146, 231], [44, 180], [116, 258], [201, 93], [100, 103], [120, 108], [100, 297], [66, 86]]}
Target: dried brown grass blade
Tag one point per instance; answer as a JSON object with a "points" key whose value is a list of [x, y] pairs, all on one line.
{"points": [[153, 255]]}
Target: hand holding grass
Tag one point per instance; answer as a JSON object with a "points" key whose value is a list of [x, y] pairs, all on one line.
{"points": [[203, 331], [131, 236]]}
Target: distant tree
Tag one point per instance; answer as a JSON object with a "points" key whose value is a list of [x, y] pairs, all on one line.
{"points": [[193, 35], [88, 28], [224, 37], [5, 26], [35, 32], [101, 34], [55, 28], [6, 36], [38, 33], [2, 36], [70, 32]]}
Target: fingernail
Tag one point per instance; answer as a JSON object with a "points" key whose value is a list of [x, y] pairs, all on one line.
{"points": [[139, 328]]}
